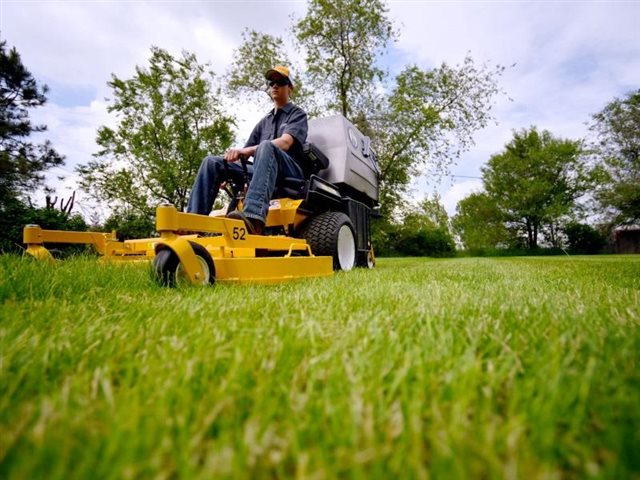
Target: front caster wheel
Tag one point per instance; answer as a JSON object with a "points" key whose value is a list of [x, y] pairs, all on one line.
{"points": [[367, 259], [169, 272]]}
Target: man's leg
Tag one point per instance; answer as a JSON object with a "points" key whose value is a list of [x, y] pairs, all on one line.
{"points": [[268, 159], [205, 188]]}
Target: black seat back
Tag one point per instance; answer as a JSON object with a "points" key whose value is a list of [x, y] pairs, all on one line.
{"points": [[295, 187], [315, 158]]}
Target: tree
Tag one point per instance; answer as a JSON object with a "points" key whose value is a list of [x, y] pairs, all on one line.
{"points": [[343, 39], [257, 53], [429, 214], [423, 231], [22, 162], [479, 222], [584, 239], [130, 225], [419, 123], [427, 121], [430, 242], [15, 214], [169, 119], [536, 180], [617, 148]]}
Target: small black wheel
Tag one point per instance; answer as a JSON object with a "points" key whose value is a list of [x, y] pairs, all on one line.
{"points": [[332, 234], [366, 259], [169, 272]]}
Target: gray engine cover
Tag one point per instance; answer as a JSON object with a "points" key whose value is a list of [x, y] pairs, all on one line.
{"points": [[351, 161]]}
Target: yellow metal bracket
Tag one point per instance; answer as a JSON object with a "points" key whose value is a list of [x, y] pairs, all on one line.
{"points": [[299, 246]]}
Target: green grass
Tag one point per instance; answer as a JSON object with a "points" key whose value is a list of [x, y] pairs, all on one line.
{"points": [[459, 368]]}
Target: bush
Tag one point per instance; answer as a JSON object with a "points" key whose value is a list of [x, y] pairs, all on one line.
{"points": [[130, 225], [584, 239], [14, 215], [391, 240], [427, 243]]}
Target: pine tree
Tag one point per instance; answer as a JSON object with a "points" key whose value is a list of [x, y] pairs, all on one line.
{"points": [[22, 162]]}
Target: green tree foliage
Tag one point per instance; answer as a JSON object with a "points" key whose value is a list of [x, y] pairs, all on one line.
{"points": [[479, 223], [535, 181], [392, 239], [22, 162], [418, 123], [169, 119], [16, 214], [428, 117], [434, 242], [130, 225], [584, 239], [257, 53], [429, 214], [617, 129], [342, 40], [427, 121], [424, 231]]}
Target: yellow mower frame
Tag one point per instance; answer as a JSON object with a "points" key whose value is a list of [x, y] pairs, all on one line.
{"points": [[201, 249], [106, 244], [233, 254]]}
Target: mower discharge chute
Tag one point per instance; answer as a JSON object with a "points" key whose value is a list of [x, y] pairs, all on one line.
{"points": [[314, 227]]}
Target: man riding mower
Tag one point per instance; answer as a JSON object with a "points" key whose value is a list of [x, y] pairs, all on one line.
{"points": [[324, 191]]}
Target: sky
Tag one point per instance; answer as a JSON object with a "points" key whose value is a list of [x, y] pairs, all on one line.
{"points": [[565, 61]]}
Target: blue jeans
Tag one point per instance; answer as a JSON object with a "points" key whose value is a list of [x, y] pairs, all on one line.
{"points": [[267, 162]]}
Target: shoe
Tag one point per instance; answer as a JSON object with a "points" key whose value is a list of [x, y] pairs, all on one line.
{"points": [[254, 226]]}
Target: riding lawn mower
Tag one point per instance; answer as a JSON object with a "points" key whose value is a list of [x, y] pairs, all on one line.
{"points": [[314, 226]]}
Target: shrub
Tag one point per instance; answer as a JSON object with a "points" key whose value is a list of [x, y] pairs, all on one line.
{"points": [[130, 225], [14, 215], [426, 243], [584, 239]]}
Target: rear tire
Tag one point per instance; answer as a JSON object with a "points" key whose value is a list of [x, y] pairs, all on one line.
{"points": [[168, 271], [332, 234]]}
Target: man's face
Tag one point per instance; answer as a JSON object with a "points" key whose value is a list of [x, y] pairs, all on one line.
{"points": [[279, 91]]}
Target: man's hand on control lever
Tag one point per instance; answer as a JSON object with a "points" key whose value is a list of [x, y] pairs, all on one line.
{"points": [[234, 154]]}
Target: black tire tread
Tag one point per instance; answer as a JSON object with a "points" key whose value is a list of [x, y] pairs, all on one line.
{"points": [[321, 233], [165, 265]]}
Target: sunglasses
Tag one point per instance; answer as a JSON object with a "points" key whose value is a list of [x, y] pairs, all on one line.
{"points": [[281, 82]]}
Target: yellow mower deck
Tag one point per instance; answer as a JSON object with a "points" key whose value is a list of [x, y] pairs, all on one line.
{"points": [[105, 244], [236, 255]]}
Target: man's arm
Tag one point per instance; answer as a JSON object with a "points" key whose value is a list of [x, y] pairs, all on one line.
{"points": [[284, 142], [295, 129]]}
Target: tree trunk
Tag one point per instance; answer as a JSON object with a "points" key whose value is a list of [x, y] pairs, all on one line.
{"points": [[343, 102]]}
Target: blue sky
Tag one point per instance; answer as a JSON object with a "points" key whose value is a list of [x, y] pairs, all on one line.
{"points": [[571, 58]]}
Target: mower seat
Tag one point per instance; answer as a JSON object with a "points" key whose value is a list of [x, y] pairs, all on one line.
{"points": [[293, 187]]}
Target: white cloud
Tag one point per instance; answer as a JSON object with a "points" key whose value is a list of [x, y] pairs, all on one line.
{"points": [[571, 57], [457, 192], [72, 132]]}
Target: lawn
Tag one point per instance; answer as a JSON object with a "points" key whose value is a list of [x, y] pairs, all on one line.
{"points": [[456, 368]]}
